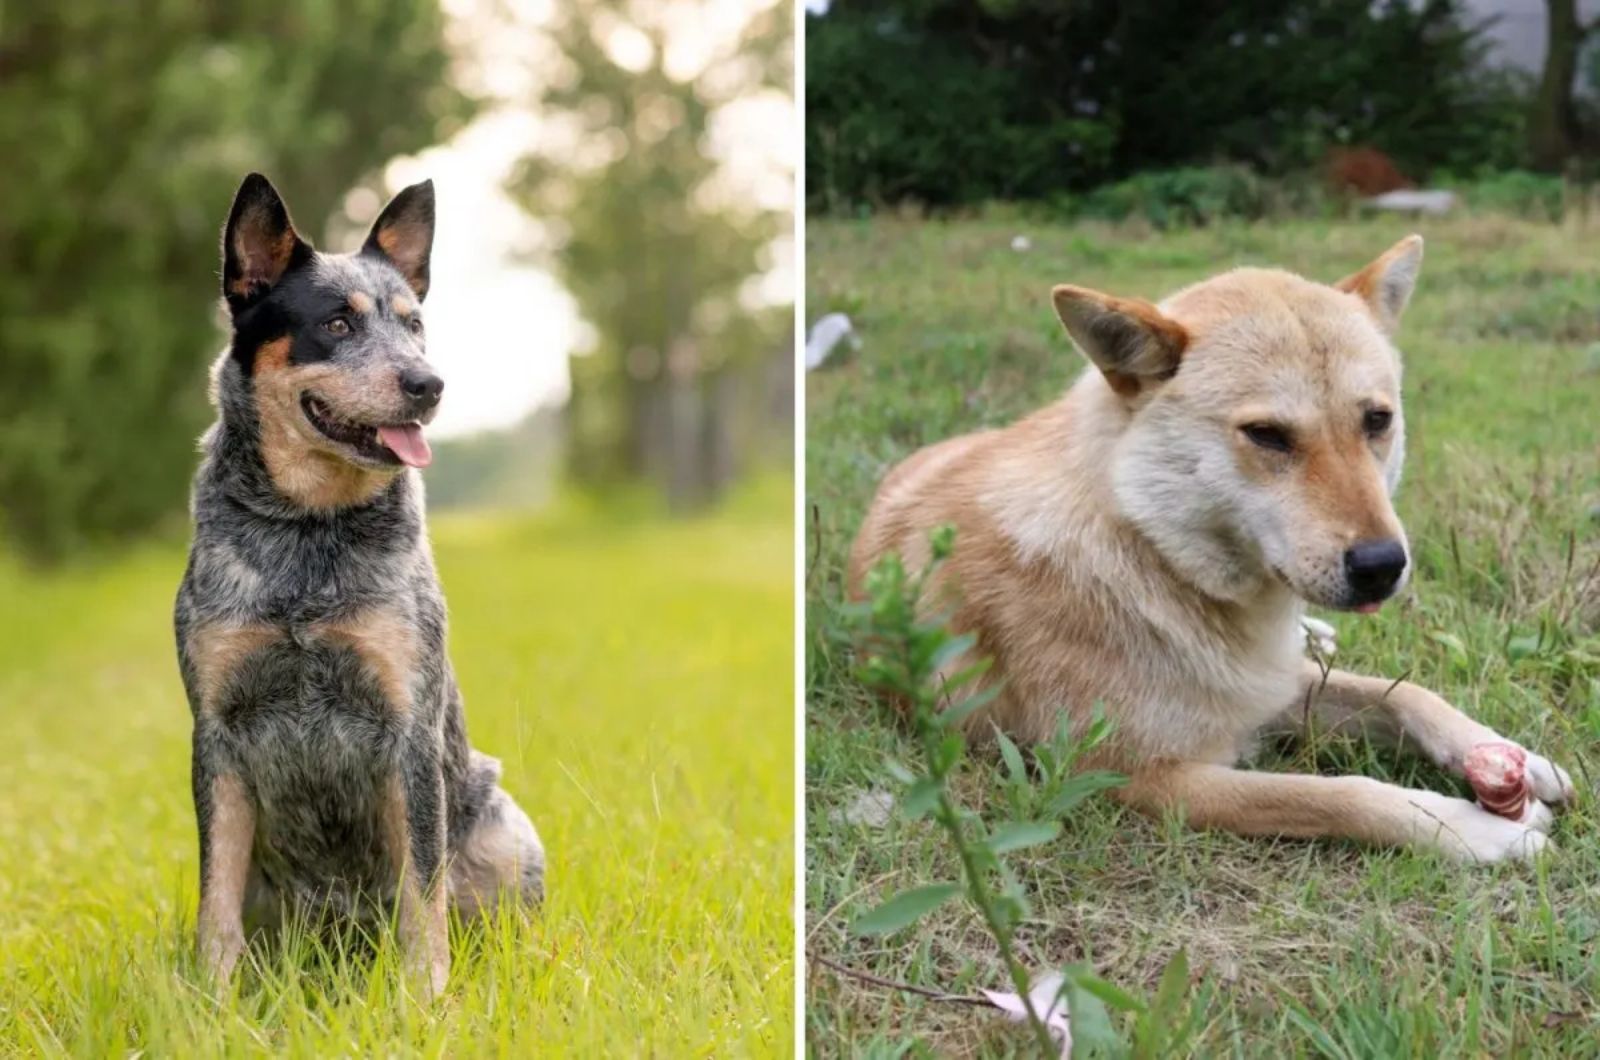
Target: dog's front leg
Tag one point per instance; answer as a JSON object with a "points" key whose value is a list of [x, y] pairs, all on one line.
{"points": [[1399, 713], [417, 840], [227, 821], [1216, 797]]}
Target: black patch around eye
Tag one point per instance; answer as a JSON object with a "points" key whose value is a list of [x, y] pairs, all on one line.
{"points": [[1269, 436], [1376, 421]]}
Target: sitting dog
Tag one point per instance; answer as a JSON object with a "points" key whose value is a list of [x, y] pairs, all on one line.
{"points": [[1150, 543], [331, 768]]}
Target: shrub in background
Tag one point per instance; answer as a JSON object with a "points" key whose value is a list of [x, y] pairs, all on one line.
{"points": [[953, 102]]}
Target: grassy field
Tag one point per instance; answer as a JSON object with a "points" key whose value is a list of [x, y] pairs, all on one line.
{"points": [[636, 682], [1296, 949]]}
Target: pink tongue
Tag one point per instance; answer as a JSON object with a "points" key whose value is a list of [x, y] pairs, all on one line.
{"points": [[1369, 609], [408, 444]]}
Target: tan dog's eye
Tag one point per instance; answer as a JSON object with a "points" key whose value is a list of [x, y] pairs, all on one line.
{"points": [[1269, 436], [1376, 421], [337, 326]]}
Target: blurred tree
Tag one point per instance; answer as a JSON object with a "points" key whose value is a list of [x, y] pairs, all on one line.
{"points": [[654, 245], [127, 129], [1553, 123], [955, 101]]}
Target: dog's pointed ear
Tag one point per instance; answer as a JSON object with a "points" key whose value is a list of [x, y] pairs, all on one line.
{"points": [[403, 235], [1386, 284], [259, 243], [1131, 341]]}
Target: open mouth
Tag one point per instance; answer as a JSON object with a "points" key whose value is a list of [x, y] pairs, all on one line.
{"points": [[391, 444]]}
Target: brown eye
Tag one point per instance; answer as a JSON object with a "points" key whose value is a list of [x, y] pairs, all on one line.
{"points": [[1268, 436], [337, 326], [1376, 421], [415, 324]]}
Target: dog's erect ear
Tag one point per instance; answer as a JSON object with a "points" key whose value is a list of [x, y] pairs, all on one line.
{"points": [[1386, 284], [259, 243], [403, 234], [1128, 339]]}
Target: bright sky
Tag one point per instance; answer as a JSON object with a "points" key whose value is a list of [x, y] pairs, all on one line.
{"points": [[501, 332]]}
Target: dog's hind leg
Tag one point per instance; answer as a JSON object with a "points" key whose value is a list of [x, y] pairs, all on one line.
{"points": [[1406, 716], [1216, 797], [501, 855]]}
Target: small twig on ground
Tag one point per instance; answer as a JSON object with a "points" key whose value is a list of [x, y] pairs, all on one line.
{"points": [[891, 984]]}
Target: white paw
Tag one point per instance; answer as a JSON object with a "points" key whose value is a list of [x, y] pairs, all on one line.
{"points": [[1321, 638], [1466, 832], [1549, 781]]}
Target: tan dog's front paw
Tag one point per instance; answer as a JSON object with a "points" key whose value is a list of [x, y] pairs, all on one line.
{"points": [[1549, 781], [1467, 832]]}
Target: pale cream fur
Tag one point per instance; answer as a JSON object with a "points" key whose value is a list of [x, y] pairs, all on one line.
{"points": [[1131, 545]]}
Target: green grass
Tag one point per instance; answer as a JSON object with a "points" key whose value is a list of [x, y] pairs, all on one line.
{"points": [[1297, 949], [637, 683]]}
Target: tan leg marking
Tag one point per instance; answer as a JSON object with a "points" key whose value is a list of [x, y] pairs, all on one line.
{"points": [[215, 652], [387, 643], [220, 927], [423, 926]]}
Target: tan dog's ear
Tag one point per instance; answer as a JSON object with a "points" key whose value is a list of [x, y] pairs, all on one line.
{"points": [[1386, 284], [1128, 339]]}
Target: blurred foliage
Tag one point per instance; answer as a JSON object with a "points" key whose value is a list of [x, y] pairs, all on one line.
{"points": [[509, 468], [947, 102], [139, 121], [1196, 195], [1516, 193], [654, 249]]}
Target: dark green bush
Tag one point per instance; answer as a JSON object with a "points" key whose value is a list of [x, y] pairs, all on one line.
{"points": [[1517, 192], [951, 102]]}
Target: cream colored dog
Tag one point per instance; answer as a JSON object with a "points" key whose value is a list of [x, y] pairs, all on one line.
{"points": [[1151, 540]]}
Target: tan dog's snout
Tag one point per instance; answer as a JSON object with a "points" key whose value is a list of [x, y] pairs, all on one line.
{"points": [[1374, 570]]}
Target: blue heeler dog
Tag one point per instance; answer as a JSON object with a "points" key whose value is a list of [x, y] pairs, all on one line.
{"points": [[331, 766]]}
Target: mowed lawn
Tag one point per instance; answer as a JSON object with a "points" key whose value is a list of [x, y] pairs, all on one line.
{"points": [[1295, 948], [637, 684]]}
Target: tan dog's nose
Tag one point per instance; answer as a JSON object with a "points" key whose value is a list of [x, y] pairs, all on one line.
{"points": [[1374, 568]]}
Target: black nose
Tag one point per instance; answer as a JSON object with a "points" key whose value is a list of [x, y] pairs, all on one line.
{"points": [[423, 388], [1374, 568]]}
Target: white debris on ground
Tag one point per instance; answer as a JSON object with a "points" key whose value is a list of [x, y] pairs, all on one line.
{"points": [[1021, 244], [1048, 1001], [869, 808], [826, 336], [1434, 202], [1321, 638]]}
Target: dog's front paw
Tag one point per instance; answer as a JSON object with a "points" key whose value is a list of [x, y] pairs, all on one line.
{"points": [[1466, 832], [220, 949], [1550, 783], [427, 972]]}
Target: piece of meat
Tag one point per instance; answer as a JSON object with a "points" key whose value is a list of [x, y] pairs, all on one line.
{"points": [[1498, 773]]}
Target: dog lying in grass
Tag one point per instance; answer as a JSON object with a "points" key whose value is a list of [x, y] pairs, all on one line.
{"points": [[331, 767], [1151, 540]]}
